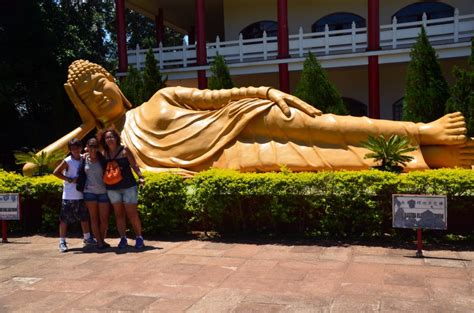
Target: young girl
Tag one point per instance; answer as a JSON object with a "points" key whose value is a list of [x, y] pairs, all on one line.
{"points": [[95, 194]]}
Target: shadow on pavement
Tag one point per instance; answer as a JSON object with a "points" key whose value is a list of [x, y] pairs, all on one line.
{"points": [[129, 249]]}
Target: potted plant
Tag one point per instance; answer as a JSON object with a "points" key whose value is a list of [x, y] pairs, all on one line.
{"points": [[389, 153]]}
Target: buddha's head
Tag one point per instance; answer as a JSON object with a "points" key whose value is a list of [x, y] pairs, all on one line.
{"points": [[96, 88]]}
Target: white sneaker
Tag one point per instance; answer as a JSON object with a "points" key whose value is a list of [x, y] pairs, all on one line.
{"points": [[63, 247]]}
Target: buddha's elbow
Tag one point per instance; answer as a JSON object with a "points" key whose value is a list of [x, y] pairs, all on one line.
{"points": [[29, 169]]}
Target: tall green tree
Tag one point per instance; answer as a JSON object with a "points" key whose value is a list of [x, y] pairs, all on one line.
{"points": [[462, 93], [152, 78], [142, 31], [132, 86], [426, 89], [220, 78], [315, 88], [38, 41]]}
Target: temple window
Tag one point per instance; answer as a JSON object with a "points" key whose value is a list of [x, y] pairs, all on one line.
{"points": [[338, 21], [355, 107], [397, 110], [255, 30], [414, 12]]}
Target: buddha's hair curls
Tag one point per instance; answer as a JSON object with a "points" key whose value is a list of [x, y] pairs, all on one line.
{"points": [[82, 68]]}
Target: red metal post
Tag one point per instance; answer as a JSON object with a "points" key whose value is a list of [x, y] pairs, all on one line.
{"points": [[4, 231], [121, 35], [160, 27], [373, 43], [201, 42], [419, 244], [283, 45]]}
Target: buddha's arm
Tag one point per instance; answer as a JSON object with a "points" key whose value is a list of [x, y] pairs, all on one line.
{"points": [[60, 144], [196, 99]]}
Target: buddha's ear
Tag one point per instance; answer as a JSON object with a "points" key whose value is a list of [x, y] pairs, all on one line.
{"points": [[128, 105]]}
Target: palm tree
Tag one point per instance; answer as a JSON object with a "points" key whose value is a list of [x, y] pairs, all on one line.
{"points": [[389, 152], [44, 161]]}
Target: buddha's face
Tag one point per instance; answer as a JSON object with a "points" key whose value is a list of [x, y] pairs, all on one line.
{"points": [[103, 98]]}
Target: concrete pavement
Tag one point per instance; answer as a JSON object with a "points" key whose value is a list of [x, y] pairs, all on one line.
{"points": [[207, 276]]}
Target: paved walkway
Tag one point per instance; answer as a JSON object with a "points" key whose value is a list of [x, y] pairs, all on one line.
{"points": [[204, 276]]}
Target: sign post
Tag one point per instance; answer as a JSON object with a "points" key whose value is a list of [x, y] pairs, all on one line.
{"points": [[9, 210], [419, 211]]}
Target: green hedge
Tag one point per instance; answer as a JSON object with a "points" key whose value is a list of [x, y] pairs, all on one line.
{"points": [[330, 204]]}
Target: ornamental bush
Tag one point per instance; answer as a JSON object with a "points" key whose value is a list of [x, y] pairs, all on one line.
{"points": [[326, 204], [426, 90], [153, 80], [138, 86], [462, 93], [315, 88], [220, 78], [161, 204]]}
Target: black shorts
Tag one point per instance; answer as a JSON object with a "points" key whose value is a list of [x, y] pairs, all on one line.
{"points": [[73, 211]]}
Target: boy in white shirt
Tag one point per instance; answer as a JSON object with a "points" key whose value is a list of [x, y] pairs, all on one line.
{"points": [[73, 208]]}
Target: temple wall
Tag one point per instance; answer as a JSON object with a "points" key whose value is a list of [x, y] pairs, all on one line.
{"points": [[241, 13]]}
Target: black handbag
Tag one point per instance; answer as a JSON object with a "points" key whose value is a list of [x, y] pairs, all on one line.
{"points": [[81, 177]]}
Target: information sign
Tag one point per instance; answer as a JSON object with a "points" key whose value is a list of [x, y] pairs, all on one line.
{"points": [[9, 206], [420, 211]]}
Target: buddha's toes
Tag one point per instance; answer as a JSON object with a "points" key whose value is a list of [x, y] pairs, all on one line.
{"points": [[447, 130]]}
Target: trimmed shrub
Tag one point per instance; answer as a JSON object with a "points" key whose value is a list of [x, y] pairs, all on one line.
{"points": [[462, 93], [161, 204], [426, 90], [220, 78], [138, 86], [153, 80], [40, 200], [132, 86], [327, 204], [315, 88]]}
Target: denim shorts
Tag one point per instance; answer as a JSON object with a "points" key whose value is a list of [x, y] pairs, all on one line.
{"points": [[96, 197], [127, 195]]}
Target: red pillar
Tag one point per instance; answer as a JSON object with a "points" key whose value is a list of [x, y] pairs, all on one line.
{"points": [[121, 36], [373, 41], [201, 42], [283, 45], [191, 35], [160, 27]]}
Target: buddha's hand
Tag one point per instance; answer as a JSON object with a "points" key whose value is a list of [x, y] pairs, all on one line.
{"points": [[285, 101], [86, 115]]}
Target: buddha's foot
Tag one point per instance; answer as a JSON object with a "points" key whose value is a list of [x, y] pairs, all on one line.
{"points": [[447, 130], [466, 154], [450, 156]]}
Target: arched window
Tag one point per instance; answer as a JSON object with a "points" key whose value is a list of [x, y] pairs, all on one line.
{"points": [[397, 110], [338, 21], [414, 12], [356, 108], [255, 30]]}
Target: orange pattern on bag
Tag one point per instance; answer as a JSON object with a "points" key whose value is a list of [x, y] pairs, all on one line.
{"points": [[112, 173]]}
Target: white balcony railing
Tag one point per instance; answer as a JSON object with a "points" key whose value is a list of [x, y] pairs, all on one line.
{"points": [[441, 31]]}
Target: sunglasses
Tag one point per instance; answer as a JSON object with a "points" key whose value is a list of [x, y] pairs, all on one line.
{"points": [[93, 146]]}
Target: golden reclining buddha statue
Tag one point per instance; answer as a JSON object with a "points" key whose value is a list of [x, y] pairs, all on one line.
{"points": [[187, 130]]}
